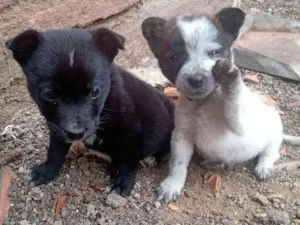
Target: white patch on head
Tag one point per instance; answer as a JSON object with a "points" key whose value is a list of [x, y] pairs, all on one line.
{"points": [[71, 56], [200, 36]]}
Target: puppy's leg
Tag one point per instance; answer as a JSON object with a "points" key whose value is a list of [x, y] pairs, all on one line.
{"points": [[182, 148], [267, 159], [126, 159], [47, 171], [230, 79]]}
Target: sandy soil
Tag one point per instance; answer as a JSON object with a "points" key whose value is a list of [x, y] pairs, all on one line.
{"points": [[235, 203]]}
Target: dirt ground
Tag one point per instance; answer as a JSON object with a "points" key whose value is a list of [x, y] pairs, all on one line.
{"points": [[235, 203]]}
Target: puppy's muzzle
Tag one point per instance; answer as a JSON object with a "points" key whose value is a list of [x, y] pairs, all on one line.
{"points": [[195, 82], [74, 132]]}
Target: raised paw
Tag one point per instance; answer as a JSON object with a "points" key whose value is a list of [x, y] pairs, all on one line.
{"points": [[224, 72], [169, 189], [263, 172], [43, 174], [121, 184]]}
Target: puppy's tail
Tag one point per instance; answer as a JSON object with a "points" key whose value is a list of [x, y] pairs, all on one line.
{"points": [[292, 140]]}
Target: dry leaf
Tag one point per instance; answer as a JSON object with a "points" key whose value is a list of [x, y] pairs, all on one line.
{"points": [[60, 204], [171, 92], [215, 183], [99, 186], [76, 150], [280, 112], [282, 151], [5, 181], [173, 207]]}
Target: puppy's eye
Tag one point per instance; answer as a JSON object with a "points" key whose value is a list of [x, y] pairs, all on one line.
{"points": [[213, 53], [95, 93], [173, 58], [48, 95]]}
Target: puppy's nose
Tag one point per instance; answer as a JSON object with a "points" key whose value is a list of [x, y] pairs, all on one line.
{"points": [[74, 134], [195, 82]]}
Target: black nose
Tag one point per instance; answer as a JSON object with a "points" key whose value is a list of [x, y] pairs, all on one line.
{"points": [[75, 134], [195, 82]]}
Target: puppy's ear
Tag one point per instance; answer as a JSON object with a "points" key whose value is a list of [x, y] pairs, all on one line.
{"points": [[153, 30], [24, 45], [108, 42], [230, 20]]}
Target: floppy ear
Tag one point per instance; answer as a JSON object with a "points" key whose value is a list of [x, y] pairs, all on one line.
{"points": [[24, 45], [108, 42], [230, 20], [153, 29]]}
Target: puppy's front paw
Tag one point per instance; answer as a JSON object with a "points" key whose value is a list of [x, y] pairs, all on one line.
{"points": [[223, 72], [121, 184], [43, 174], [263, 172], [170, 189]]}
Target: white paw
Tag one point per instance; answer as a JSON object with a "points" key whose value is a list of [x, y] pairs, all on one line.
{"points": [[263, 172], [169, 189]]}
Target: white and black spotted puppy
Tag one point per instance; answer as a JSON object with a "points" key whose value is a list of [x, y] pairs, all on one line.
{"points": [[216, 113]]}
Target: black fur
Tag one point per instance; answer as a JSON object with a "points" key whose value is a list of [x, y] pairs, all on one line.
{"points": [[72, 79], [165, 41]]}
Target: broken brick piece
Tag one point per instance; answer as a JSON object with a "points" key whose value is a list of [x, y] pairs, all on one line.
{"points": [[251, 78], [6, 178]]}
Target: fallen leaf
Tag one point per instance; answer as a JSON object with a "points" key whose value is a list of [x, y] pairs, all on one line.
{"points": [[215, 183], [173, 207], [60, 204], [282, 151], [280, 112], [76, 150], [99, 186], [251, 78], [6, 178], [171, 92]]}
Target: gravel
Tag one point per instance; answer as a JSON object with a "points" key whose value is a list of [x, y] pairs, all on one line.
{"points": [[25, 144]]}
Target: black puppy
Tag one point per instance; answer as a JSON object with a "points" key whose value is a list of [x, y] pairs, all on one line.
{"points": [[84, 96]]}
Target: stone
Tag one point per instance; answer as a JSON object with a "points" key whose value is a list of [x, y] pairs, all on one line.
{"points": [[36, 194], [157, 204], [297, 184], [58, 222], [114, 200], [21, 169], [261, 199], [91, 211], [298, 215], [273, 196], [137, 196], [261, 215], [252, 60], [296, 222], [278, 217], [24, 222]]}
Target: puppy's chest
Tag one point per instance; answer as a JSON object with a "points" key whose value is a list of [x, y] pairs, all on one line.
{"points": [[209, 120]]}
